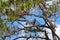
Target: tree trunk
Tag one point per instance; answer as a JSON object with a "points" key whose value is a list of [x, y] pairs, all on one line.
{"points": [[54, 37]]}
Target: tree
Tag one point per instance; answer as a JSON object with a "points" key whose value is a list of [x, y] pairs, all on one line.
{"points": [[13, 10]]}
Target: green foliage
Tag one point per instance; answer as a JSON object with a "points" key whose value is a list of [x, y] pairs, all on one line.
{"points": [[6, 3], [0, 2], [58, 2], [0, 10], [52, 8], [1, 20], [10, 18], [4, 27]]}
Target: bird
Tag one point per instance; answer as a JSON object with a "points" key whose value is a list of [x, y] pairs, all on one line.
{"points": [[34, 21]]}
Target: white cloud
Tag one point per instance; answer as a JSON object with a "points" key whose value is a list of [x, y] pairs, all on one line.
{"points": [[49, 2], [58, 30]]}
